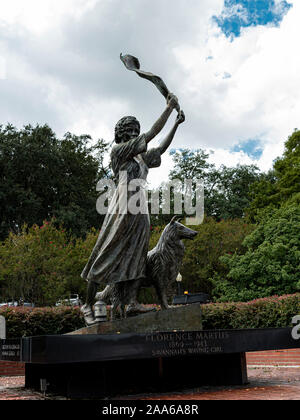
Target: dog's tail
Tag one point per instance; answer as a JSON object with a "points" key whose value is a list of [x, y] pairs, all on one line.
{"points": [[105, 295]]}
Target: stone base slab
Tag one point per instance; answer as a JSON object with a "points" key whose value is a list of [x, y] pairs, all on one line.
{"points": [[182, 318]]}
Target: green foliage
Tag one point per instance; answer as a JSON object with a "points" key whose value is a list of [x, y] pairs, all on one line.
{"points": [[43, 264], [226, 190], [229, 196], [262, 195], [271, 264], [281, 186], [42, 177], [202, 255], [272, 312], [190, 164], [288, 169], [28, 322]]}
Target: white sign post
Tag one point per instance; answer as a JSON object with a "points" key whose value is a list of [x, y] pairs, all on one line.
{"points": [[2, 328]]}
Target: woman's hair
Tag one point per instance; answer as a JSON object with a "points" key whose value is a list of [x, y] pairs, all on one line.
{"points": [[122, 125]]}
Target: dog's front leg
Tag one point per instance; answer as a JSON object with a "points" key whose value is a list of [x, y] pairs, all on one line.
{"points": [[122, 311], [164, 304], [113, 311], [162, 298]]}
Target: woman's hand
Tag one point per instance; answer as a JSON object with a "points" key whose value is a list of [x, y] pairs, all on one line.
{"points": [[172, 101], [180, 118]]}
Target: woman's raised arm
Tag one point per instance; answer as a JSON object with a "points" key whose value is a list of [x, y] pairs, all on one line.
{"points": [[172, 103], [168, 140]]}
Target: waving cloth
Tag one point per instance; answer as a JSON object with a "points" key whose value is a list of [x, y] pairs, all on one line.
{"points": [[133, 64]]}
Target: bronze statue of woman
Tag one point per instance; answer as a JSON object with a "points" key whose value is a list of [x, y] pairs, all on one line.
{"points": [[119, 256]]}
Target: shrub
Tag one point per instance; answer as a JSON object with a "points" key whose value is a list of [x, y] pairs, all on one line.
{"points": [[271, 264], [28, 322], [43, 264], [202, 255], [271, 312]]}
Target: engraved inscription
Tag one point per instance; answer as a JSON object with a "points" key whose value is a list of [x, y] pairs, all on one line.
{"points": [[187, 343], [10, 351]]}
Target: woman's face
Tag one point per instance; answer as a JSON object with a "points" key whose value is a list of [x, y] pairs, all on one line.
{"points": [[132, 131]]}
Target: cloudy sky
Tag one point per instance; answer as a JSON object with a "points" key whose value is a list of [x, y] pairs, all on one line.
{"points": [[233, 64]]}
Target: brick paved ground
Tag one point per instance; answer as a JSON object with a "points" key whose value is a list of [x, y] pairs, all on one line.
{"points": [[12, 388], [265, 384], [289, 357], [275, 383]]}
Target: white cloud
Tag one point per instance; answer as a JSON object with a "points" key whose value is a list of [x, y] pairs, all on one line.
{"points": [[2, 68], [39, 16], [62, 67], [158, 175], [223, 157], [262, 97]]}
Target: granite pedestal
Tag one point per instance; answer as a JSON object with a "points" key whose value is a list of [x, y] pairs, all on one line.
{"points": [[107, 365]]}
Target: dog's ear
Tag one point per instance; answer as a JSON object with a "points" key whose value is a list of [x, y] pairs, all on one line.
{"points": [[176, 219]]}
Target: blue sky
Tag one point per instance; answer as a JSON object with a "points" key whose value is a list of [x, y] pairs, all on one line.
{"points": [[238, 14], [252, 147]]}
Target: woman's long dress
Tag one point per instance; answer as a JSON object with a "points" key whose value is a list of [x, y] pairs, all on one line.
{"points": [[121, 248]]}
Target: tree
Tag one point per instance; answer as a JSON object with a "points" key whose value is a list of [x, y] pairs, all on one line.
{"points": [[202, 255], [226, 190], [271, 264], [43, 177], [281, 186], [261, 193], [42, 264], [190, 164], [287, 169], [229, 195]]}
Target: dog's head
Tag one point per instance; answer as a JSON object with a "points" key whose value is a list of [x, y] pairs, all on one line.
{"points": [[177, 231]]}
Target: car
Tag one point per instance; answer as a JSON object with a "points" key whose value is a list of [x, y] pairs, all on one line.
{"points": [[28, 304], [9, 304], [17, 303], [74, 300]]}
